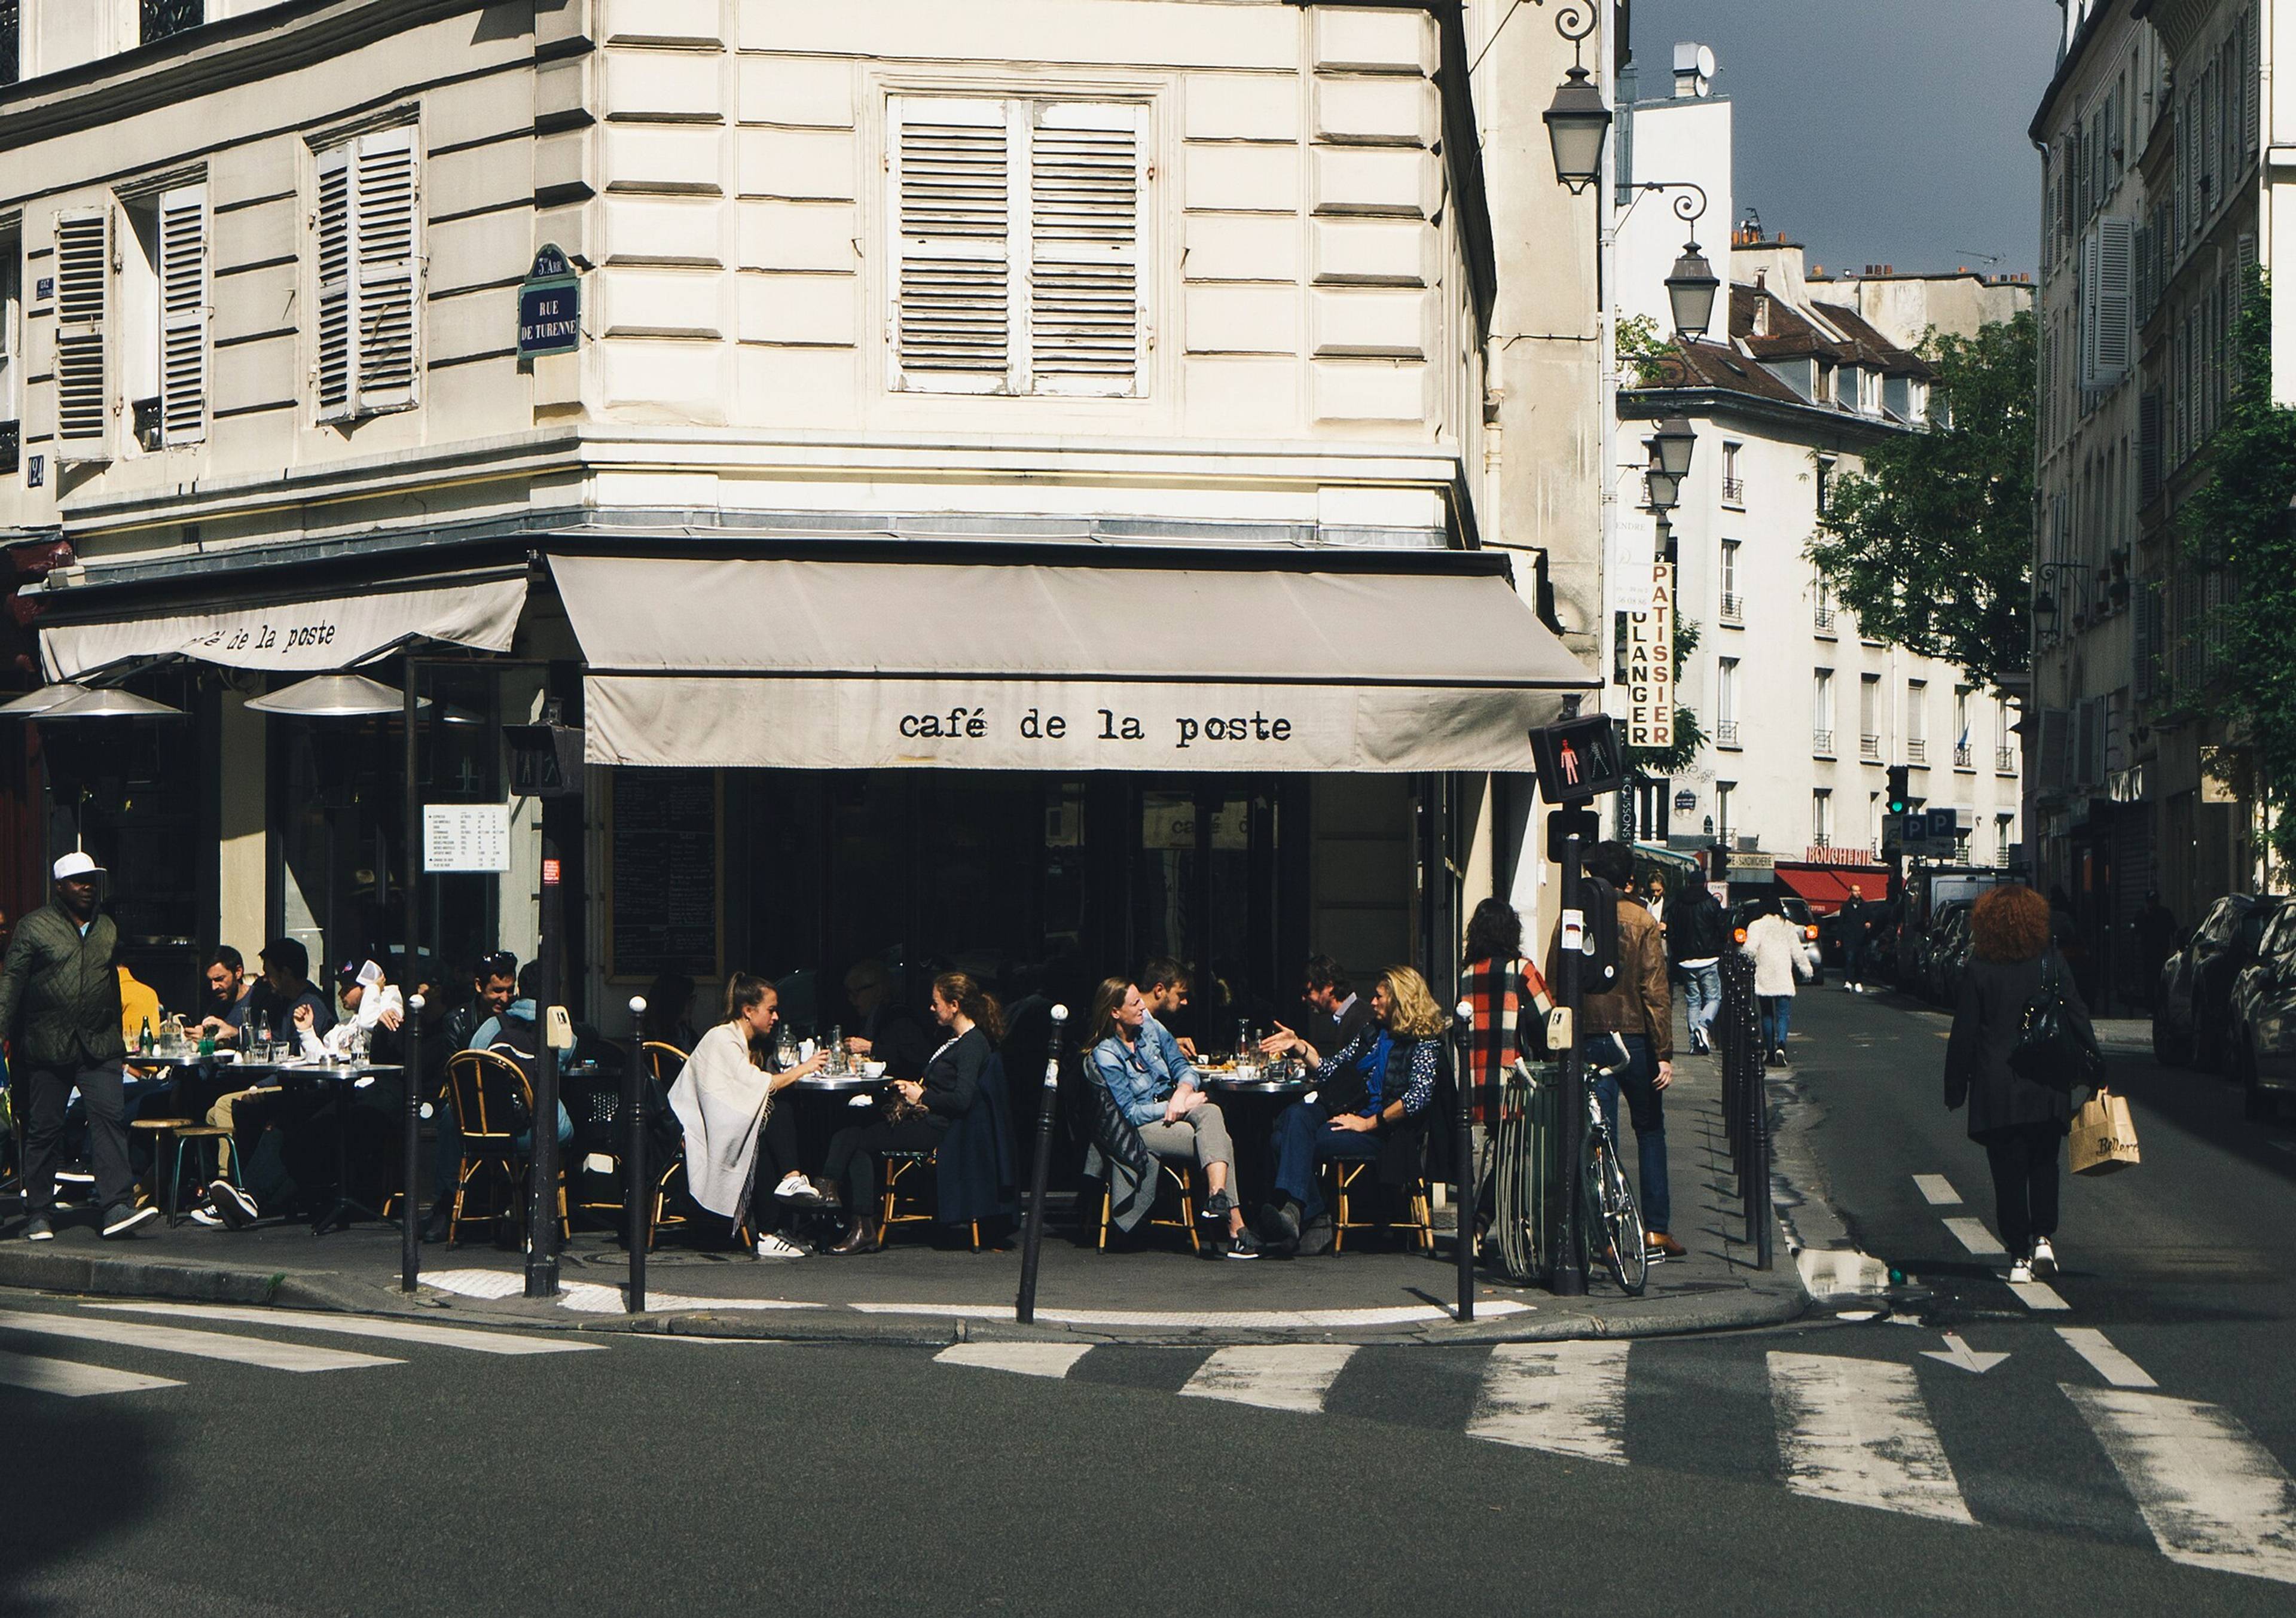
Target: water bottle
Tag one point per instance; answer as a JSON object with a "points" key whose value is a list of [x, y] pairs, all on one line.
{"points": [[836, 1062], [262, 1051], [143, 1039]]}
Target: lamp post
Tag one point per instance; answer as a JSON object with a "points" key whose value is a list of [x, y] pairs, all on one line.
{"points": [[1578, 121]]}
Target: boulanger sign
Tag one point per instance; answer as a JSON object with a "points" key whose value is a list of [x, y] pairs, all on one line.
{"points": [[1650, 665]]}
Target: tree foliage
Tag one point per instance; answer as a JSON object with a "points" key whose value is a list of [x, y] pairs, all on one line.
{"points": [[2237, 522], [1932, 544]]}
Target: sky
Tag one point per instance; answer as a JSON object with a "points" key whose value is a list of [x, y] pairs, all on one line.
{"points": [[1876, 131]]}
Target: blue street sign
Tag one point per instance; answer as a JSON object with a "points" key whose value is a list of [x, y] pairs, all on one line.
{"points": [[549, 306], [1944, 825]]}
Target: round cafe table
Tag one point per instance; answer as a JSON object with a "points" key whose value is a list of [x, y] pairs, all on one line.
{"points": [[1263, 1098]]}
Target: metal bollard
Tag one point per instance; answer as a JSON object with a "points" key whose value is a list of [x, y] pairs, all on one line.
{"points": [[410, 1203], [1032, 1235], [638, 1200], [1463, 1179]]}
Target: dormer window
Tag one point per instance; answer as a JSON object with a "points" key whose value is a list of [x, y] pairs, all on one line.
{"points": [[1761, 316]]}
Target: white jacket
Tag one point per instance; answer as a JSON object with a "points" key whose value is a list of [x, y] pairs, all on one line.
{"points": [[1779, 955], [721, 1098]]}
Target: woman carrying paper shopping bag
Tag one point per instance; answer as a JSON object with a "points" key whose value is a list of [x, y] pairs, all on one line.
{"points": [[2018, 1107]]}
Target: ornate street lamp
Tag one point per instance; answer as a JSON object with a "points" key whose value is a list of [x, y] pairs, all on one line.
{"points": [[1675, 440], [1578, 123], [1690, 291], [1662, 490]]}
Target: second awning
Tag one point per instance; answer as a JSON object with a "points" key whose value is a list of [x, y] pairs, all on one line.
{"points": [[1426, 663]]}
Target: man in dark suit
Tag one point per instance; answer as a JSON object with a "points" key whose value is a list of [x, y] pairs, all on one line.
{"points": [[1336, 1013]]}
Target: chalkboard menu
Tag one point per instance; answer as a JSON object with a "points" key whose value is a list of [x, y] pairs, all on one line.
{"points": [[662, 837]]}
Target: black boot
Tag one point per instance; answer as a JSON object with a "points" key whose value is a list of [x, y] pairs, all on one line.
{"points": [[860, 1236]]}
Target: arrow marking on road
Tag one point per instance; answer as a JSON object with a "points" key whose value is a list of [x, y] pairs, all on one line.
{"points": [[1956, 1352]]}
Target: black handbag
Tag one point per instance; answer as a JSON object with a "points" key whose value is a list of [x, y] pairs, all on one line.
{"points": [[2051, 1048]]}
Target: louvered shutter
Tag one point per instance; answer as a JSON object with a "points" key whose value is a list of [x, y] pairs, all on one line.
{"points": [[83, 384], [387, 262], [955, 287], [2249, 75], [2111, 294], [1087, 178], [338, 284], [183, 314]]}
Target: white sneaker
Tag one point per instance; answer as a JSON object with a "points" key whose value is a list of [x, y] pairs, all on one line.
{"points": [[2021, 1272], [206, 1216], [772, 1245], [2045, 1258]]}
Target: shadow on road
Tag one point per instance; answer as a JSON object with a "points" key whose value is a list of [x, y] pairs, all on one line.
{"points": [[79, 1472]]}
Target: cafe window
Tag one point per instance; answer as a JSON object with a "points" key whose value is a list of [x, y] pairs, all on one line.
{"points": [[368, 263], [1019, 227]]}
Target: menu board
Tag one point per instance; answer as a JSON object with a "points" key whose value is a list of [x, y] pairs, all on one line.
{"points": [[662, 837]]}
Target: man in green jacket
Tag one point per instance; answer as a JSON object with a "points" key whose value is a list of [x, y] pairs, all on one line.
{"points": [[60, 1008]]}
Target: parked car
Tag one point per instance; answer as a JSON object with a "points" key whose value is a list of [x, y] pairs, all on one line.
{"points": [[2192, 1012], [1797, 910], [2263, 1032]]}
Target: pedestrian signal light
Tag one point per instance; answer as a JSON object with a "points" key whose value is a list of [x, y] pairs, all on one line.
{"points": [[1578, 759], [1901, 799]]}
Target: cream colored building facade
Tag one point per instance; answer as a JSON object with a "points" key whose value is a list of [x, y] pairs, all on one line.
{"points": [[1165, 274]]}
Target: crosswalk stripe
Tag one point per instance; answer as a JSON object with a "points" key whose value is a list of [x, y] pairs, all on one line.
{"points": [[2037, 1294], [1976, 1238], [71, 1380], [1566, 1397], [1857, 1431], [2108, 1361], [2212, 1496], [205, 1345], [1937, 1189], [1282, 1376], [1053, 1359], [472, 1340]]}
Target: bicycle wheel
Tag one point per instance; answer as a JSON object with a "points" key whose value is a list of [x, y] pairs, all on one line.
{"points": [[1613, 1224]]}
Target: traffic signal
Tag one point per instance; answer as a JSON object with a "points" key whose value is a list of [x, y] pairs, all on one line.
{"points": [[1578, 759], [1901, 799]]}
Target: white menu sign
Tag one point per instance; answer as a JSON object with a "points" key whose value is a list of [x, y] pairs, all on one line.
{"points": [[466, 836]]}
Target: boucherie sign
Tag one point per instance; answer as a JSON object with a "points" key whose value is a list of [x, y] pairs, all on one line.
{"points": [[804, 723]]}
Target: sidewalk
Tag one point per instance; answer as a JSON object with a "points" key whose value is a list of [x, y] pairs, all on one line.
{"points": [[914, 1292]]}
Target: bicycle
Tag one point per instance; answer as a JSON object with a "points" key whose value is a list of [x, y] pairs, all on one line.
{"points": [[1527, 1195], [1610, 1223]]}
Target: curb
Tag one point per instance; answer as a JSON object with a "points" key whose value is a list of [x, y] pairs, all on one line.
{"points": [[1748, 1308]]}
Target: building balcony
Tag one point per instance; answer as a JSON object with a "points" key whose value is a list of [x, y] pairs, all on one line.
{"points": [[2004, 760], [1917, 751], [1726, 734], [1734, 492], [1869, 747], [1822, 620], [1733, 608], [1821, 744], [1961, 756]]}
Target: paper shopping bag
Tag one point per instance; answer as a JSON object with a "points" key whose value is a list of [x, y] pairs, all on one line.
{"points": [[2103, 1136]]}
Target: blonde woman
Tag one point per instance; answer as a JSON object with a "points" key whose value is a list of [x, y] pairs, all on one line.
{"points": [[1370, 1095]]}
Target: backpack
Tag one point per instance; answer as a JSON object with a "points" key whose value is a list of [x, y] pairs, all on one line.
{"points": [[1598, 969]]}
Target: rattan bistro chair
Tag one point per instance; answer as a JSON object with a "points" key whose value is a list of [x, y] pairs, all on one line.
{"points": [[493, 1102], [1418, 1203], [1176, 1178]]}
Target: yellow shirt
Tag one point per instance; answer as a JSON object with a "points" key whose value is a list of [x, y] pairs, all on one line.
{"points": [[137, 1002]]}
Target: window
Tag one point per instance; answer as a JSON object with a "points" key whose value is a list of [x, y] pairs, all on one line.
{"points": [[1019, 246], [1724, 790], [1725, 702], [1822, 593], [2004, 750], [1734, 606], [1917, 703], [1733, 486], [1961, 721], [1821, 818], [1869, 716], [1822, 714], [11, 345], [163, 17], [10, 25], [162, 337], [367, 264], [2005, 845], [1825, 480]]}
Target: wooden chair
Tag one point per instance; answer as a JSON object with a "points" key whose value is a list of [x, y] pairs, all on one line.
{"points": [[1178, 1178], [663, 1062], [897, 1167], [491, 1096], [1418, 1204]]}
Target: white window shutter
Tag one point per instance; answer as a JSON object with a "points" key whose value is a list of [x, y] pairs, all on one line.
{"points": [[183, 314], [2249, 84], [1088, 181], [389, 261], [338, 284], [83, 380], [953, 193], [2111, 294]]}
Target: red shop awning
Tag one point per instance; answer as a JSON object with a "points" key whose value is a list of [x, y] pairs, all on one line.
{"points": [[1827, 886]]}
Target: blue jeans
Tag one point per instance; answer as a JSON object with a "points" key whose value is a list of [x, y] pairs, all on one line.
{"points": [[1702, 999], [1777, 1012], [1304, 1137], [1646, 1106]]}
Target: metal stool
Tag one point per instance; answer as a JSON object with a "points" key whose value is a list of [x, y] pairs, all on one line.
{"points": [[176, 1132]]}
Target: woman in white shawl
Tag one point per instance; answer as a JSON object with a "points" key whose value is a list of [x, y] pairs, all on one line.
{"points": [[736, 1140]]}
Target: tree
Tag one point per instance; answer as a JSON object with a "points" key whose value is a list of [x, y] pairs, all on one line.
{"points": [[1931, 545], [2237, 523]]}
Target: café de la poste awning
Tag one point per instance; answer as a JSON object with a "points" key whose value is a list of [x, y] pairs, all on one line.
{"points": [[1162, 660]]}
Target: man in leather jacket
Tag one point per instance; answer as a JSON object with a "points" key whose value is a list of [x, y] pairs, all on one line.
{"points": [[59, 1004]]}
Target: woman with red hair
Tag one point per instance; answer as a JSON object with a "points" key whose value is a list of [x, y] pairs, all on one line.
{"points": [[2021, 1122]]}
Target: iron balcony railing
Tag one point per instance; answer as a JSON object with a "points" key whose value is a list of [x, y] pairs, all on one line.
{"points": [[1869, 747], [1961, 756], [1734, 491], [2004, 760], [1824, 618], [1821, 743], [1726, 733], [1734, 607], [1917, 751]]}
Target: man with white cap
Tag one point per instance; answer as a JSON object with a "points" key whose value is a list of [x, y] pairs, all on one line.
{"points": [[60, 1005]]}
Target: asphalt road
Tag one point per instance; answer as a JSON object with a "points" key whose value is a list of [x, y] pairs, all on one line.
{"points": [[1815, 1469]]}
